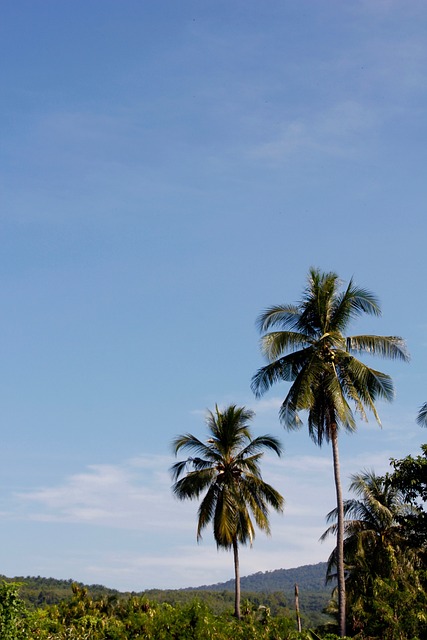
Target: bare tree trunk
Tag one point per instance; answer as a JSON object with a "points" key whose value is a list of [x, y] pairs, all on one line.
{"points": [[236, 580], [340, 534], [297, 609]]}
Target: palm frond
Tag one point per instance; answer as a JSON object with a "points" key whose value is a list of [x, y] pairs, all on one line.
{"points": [[177, 469], [422, 416], [352, 387], [245, 527], [207, 509], [260, 444], [192, 485], [196, 464], [300, 396], [392, 347], [225, 518], [316, 306], [243, 465], [284, 369], [352, 303], [336, 398], [229, 428], [275, 344], [363, 382], [282, 316], [190, 443]]}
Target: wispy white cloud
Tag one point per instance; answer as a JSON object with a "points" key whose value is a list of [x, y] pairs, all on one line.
{"points": [[266, 405], [134, 495], [334, 131], [198, 564]]}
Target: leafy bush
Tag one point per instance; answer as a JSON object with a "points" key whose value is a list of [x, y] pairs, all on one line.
{"points": [[11, 611]]}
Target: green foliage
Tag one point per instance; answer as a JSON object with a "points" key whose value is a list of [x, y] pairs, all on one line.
{"points": [[373, 535], [274, 589], [410, 477], [37, 591], [131, 617], [384, 568], [136, 618], [11, 611]]}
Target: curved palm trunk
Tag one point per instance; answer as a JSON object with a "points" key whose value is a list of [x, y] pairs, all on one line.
{"points": [[236, 580], [340, 534]]}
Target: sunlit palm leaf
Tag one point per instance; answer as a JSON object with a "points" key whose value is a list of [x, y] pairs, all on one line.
{"points": [[284, 369], [392, 347], [275, 344], [281, 315], [351, 303]]}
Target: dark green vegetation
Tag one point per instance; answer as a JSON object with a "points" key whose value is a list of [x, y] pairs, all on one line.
{"points": [[229, 475], [132, 617], [305, 344], [410, 477], [39, 592], [385, 552], [273, 589]]}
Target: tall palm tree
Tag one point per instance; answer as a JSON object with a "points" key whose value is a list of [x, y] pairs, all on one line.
{"points": [[227, 470], [375, 542], [308, 347]]}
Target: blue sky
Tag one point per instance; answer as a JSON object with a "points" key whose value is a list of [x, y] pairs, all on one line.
{"points": [[168, 170]]}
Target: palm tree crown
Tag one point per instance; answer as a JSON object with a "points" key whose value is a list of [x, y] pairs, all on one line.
{"points": [[308, 348], [227, 468]]}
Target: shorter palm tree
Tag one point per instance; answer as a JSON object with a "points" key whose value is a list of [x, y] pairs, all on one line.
{"points": [[375, 544], [227, 472]]}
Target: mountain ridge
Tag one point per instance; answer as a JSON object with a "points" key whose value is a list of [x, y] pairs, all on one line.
{"points": [[309, 577]]}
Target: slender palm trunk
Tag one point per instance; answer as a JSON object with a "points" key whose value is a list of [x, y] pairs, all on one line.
{"points": [[236, 580], [298, 617], [340, 533]]}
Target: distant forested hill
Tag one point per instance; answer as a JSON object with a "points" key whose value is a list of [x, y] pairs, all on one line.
{"points": [[310, 577], [38, 591]]}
